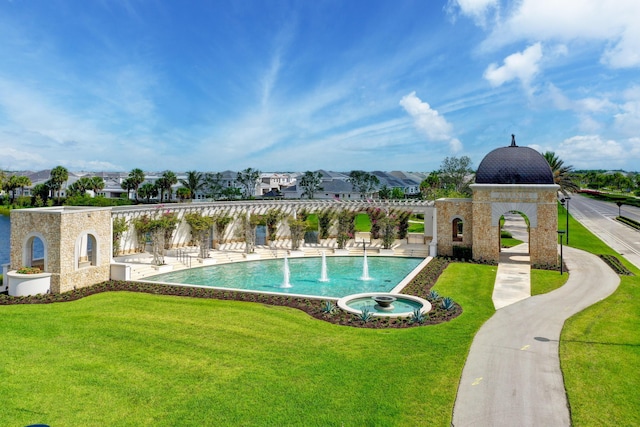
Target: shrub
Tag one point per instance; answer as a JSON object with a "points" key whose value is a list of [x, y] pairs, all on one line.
{"points": [[328, 307], [447, 303], [29, 270], [417, 316], [365, 315], [462, 252]]}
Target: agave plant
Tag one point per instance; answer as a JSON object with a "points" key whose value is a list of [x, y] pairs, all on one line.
{"points": [[328, 307], [365, 315], [417, 316], [433, 295], [447, 303]]}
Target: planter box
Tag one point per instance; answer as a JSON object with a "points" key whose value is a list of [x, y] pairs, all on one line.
{"points": [[28, 284], [163, 268]]}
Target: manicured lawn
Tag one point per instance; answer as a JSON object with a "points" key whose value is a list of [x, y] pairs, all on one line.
{"points": [[600, 348], [363, 222], [137, 359], [544, 281]]}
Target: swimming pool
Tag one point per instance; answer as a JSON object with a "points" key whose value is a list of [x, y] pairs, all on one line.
{"points": [[344, 274]]}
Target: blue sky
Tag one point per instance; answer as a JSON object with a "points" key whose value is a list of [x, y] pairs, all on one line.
{"points": [[307, 85]]}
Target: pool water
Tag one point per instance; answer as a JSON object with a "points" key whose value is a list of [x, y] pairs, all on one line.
{"points": [[304, 273]]}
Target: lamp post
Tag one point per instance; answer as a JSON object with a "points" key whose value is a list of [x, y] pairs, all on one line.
{"points": [[561, 233], [566, 199]]}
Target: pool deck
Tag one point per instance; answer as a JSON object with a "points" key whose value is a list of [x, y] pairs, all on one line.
{"points": [[187, 257]]}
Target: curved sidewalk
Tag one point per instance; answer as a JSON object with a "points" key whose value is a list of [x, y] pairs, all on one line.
{"points": [[512, 374]]}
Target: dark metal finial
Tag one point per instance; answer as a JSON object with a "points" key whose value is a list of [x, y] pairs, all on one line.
{"points": [[513, 140]]}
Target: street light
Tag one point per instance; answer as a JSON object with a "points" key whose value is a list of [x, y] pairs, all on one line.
{"points": [[566, 199], [561, 233]]}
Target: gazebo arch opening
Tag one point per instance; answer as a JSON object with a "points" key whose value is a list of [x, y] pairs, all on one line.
{"points": [[457, 229], [86, 251], [517, 228], [34, 251]]}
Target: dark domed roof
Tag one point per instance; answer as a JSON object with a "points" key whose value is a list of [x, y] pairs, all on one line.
{"points": [[514, 165]]}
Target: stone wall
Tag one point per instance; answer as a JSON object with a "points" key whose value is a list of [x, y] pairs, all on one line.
{"points": [[62, 230], [537, 202], [448, 210]]}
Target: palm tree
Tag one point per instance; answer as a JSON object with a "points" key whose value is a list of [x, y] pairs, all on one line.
{"points": [[147, 191], [183, 193], [11, 185], [193, 183], [165, 182], [136, 177], [96, 184], [59, 175], [23, 181], [561, 173]]}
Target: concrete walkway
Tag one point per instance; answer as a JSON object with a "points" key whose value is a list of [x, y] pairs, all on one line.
{"points": [[513, 279], [512, 375]]}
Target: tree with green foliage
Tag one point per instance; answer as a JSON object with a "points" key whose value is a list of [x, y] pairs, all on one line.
{"points": [[456, 174], [221, 221], [10, 185], [388, 226], [136, 178], [248, 179], [310, 183], [200, 230], [194, 182], [430, 185], [165, 182], [325, 218], [120, 226], [297, 228], [183, 193], [213, 185], [562, 174], [59, 176], [346, 226], [272, 218], [384, 192], [148, 191], [247, 230], [363, 182]]}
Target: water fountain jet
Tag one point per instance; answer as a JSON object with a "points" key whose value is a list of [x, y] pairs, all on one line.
{"points": [[286, 283], [323, 273]]}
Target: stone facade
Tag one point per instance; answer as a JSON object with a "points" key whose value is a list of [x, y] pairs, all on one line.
{"points": [[490, 201], [449, 210], [65, 233]]}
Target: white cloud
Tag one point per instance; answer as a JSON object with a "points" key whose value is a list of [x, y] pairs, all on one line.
{"points": [[628, 121], [429, 122], [612, 22], [592, 151], [522, 66], [475, 9]]}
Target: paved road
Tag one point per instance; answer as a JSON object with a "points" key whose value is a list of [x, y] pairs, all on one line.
{"points": [[512, 375], [599, 218]]}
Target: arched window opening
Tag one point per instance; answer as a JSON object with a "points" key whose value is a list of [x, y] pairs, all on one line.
{"points": [[35, 253], [87, 251], [457, 229]]}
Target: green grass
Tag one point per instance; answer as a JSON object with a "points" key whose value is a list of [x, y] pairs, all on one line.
{"points": [[363, 222], [544, 281], [137, 359], [509, 242], [600, 348]]}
